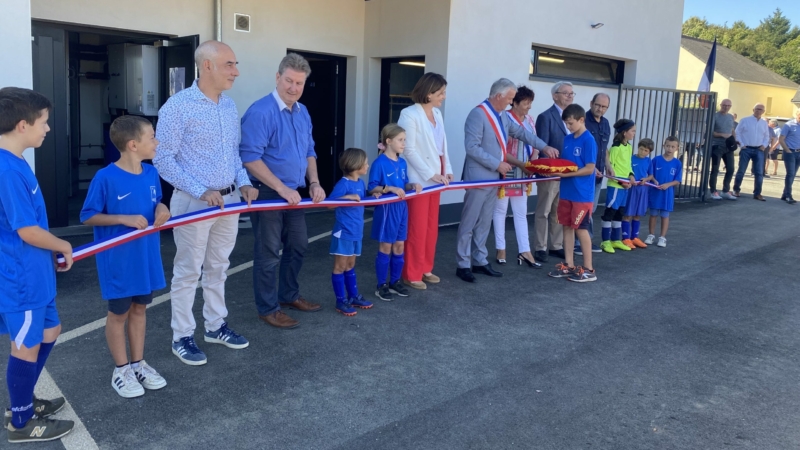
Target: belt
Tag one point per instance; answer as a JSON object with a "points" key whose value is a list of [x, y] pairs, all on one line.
{"points": [[227, 190], [753, 146]]}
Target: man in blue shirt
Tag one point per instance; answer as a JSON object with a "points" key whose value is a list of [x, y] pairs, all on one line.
{"points": [[198, 134], [598, 126], [278, 151], [790, 142]]}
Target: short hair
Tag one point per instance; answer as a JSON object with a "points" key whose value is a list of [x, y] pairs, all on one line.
{"points": [[501, 86], [127, 128], [773, 121], [558, 86], [352, 159], [523, 93], [18, 104], [427, 85], [573, 111], [390, 131], [648, 144], [672, 139], [295, 62], [601, 94], [207, 51]]}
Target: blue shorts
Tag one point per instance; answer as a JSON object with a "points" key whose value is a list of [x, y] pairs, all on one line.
{"points": [[27, 327], [390, 222], [637, 201], [343, 247], [659, 213], [120, 306], [616, 198]]}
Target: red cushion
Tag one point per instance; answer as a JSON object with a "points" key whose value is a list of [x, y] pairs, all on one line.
{"points": [[546, 166]]}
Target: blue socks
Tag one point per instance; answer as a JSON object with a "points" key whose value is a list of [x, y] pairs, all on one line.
{"points": [[21, 379], [616, 231], [626, 230], [381, 267], [350, 283], [397, 267], [337, 279], [44, 352], [606, 232], [635, 228]]}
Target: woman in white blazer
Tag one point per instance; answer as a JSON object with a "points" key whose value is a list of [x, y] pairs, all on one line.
{"points": [[428, 164]]}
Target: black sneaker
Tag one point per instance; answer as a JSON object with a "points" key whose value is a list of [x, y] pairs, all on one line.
{"points": [[383, 293], [39, 430], [399, 289], [41, 408], [583, 275]]}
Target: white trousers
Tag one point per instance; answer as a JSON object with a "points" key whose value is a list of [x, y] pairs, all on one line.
{"points": [[519, 207], [201, 246]]}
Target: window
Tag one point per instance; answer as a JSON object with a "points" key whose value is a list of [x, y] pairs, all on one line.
{"points": [[769, 106], [574, 66]]}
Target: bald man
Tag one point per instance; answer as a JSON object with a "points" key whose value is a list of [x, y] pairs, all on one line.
{"points": [[724, 128], [754, 135], [198, 130]]}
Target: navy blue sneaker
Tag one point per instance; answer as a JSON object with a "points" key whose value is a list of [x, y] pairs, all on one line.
{"points": [[578, 250], [360, 302], [345, 308], [186, 350], [226, 337], [596, 249]]}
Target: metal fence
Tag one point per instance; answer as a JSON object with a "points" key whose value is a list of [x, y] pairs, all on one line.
{"points": [[687, 115]]}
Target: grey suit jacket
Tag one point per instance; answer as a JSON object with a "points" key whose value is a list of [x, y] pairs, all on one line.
{"points": [[483, 151]]}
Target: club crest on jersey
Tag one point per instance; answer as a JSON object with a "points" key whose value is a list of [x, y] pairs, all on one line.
{"points": [[577, 151], [672, 171], [153, 195], [403, 173]]}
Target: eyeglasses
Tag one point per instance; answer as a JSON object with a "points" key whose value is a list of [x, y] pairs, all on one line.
{"points": [[600, 106], [567, 94]]}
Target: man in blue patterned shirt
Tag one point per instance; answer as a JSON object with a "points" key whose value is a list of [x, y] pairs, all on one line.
{"points": [[278, 150], [198, 130]]}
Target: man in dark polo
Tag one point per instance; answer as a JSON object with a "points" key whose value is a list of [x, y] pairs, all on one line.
{"points": [[598, 125], [278, 151]]}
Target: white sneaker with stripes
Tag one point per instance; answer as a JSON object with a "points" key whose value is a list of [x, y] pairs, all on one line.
{"points": [[125, 383], [148, 377]]}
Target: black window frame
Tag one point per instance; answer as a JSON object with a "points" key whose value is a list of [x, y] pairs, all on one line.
{"points": [[616, 78]]}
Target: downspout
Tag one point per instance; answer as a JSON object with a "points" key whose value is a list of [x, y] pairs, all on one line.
{"points": [[218, 20]]}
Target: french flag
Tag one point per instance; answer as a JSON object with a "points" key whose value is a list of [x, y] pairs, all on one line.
{"points": [[708, 75]]}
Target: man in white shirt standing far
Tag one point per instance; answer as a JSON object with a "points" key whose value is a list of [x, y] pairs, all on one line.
{"points": [[754, 136]]}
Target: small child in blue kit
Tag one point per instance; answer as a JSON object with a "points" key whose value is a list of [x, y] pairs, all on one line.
{"points": [[638, 198], [389, 174], [348, 232], [667, 170], [125, 195]]}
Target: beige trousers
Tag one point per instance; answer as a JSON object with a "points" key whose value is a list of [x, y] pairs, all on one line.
{"points": [[546, 217]]}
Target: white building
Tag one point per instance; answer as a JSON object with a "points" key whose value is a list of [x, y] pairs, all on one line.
{"points": [[354, 46]]}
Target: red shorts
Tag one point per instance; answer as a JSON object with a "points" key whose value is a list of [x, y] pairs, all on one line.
{"points": [[574, 214]]}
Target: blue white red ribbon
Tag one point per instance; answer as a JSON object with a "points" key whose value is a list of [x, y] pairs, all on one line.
{"points": [[93, 248]]}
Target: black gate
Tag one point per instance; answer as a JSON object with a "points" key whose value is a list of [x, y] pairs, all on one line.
{"points": [[687, 115]]}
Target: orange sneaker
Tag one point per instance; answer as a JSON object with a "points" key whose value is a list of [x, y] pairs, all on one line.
{"points": [[638, 242], [629, 243]]}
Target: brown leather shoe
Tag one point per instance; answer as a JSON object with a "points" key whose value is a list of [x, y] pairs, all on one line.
{"points": [[760, 198], [279, 319], [302, 304]]}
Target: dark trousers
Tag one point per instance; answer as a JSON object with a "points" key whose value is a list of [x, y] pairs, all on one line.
{"points": [[791, 159], [276, 230], [721, 153], [746, 155]]}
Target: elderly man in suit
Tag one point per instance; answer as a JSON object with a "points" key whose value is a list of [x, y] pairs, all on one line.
{"points": [[552, 130], [486, 133]]}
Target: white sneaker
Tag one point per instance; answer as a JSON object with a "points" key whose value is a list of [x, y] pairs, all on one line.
{"points": [[729, 196], [662, 241], [148, 377], [124, 382], [715, 196], [650, 239]]}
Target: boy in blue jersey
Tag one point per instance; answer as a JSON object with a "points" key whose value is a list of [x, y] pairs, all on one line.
{"points": [[125, 195], [667, 171], [27, 269], [642, 167], [390, 222], [577, 196], [348, 231]]}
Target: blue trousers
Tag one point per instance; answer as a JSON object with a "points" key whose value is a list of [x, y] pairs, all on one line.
{"points": [[791, 160], [757, 156]]}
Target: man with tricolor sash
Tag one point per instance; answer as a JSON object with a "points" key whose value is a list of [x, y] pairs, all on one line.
{"points": [[486, 134]]}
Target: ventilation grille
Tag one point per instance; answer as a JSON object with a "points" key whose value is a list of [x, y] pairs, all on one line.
{"points": [[241, 22]]}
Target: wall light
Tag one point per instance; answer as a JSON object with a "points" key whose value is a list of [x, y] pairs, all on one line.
{"points": [[412, 63], [552, 60], [597, 25]]}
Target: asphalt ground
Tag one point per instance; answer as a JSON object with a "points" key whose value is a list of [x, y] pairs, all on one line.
{"points": [[691, 346]]}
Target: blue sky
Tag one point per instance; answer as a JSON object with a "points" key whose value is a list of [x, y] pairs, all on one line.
{"points": [[751, 11]]}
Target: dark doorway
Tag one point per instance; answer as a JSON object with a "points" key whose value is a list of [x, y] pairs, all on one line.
{"points": [[398, 77], [324, 97]]}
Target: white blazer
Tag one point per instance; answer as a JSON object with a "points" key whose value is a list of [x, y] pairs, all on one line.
{"points": [[421, 153]]}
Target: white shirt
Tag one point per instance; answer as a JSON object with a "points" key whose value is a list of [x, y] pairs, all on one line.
{"points": [[753, 132], [438, 135], [561, 114]]}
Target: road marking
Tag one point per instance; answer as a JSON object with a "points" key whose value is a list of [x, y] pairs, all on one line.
{"points": [[79, 438]]}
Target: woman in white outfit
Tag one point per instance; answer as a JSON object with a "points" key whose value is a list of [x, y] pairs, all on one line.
{"points": [[517, 194]]}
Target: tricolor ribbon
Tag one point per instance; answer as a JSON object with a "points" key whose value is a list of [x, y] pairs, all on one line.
{"points": [[93, 248]]}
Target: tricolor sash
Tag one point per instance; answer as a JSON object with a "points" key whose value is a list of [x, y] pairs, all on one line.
{"points": [[497, 125]]}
